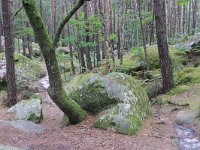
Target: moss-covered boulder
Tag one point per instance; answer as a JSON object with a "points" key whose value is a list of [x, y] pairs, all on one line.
{"points": [[27, 110], [120, 102], [27, 71]]}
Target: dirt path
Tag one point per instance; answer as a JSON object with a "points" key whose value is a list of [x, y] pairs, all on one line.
{"points": [[157, 133]]}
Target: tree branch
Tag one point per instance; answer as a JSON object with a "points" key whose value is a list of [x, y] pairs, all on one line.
{"points": [[65, 20], [19, 11]]}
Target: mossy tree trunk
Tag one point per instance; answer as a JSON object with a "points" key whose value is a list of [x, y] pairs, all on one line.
{"points": [[55, 90]]}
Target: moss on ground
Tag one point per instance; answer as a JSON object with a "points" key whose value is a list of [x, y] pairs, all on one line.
{"points": [[188, 75], [177, 57]]}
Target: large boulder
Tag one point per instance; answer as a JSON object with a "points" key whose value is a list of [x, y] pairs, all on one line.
{"points": [[27, 71], [27, 110], [120, 102]]}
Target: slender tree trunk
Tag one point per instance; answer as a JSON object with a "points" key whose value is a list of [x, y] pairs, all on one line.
{"points": [[55, 90], [194, 16], [29, 44], [143, 35], [98, 52], [1, 30], [1, 34], [19, 47], [53, 17], [87, 49], [105, 53], [161, 29], [189, 16], [41, 8], [9, 52], [70, 44], [24, 44], [152, 27]]}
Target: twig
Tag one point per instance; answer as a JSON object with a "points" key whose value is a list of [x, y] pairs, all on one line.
{"points": [[19, 11]]}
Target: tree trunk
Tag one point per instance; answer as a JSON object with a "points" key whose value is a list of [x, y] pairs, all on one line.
{"points": [[152, 26], [87, 39], [194, 16], [1, 31], [55, 90], [41, 8], [189, 16], [143, 35], [70, 44], [24, 44], [9, 52], [29, 44], [98, 52], [165, 61]]}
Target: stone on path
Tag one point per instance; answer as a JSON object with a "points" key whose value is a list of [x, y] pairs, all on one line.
{"points": [[4, 147], [23, 125]]}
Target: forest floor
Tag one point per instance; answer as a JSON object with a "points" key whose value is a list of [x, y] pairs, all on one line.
{"points": [[158, 132]]}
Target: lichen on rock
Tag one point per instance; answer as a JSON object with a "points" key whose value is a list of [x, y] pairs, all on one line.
{"points": [[27, 110], [120, 103]]}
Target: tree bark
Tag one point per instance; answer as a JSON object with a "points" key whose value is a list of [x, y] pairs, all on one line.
{"points": [[87, 38], [70, 44], [9, 52], [55, 90], [165, 61], [194, 16], [143, 35], [1, 34]]}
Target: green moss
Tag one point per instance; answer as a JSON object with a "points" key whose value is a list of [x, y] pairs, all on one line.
{"points": [[36, 96], [188, 75], [179, 89], [103, 123], [34, 118], [177, 57], [64, 122], [73, 111], [90, 93], [132, 62]]}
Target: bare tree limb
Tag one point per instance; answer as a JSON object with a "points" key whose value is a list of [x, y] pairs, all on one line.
{"points": [[65, 20]]}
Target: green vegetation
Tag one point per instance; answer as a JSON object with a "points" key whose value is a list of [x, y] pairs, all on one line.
{"points": [[188, 75]]}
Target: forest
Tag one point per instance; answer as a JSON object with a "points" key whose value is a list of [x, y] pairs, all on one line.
{"points": [[99, 74]]}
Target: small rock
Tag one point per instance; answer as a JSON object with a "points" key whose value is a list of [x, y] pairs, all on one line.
{"points": [[26, 126], [4, 147], [186, 117]]}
